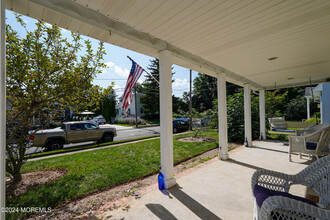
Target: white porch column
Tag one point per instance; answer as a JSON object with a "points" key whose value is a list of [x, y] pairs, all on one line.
{"points": [[262, 115], [222, 117], [308, 109], [247, 115], [166, 124], [2, 109]]}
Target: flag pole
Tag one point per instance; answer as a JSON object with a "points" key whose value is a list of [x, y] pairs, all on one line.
{"points": [[136, 110], [146, 72]]}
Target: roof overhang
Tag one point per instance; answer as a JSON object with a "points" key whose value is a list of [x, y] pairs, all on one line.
{"points": [[236, 38]]}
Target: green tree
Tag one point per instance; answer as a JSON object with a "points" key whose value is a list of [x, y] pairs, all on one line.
{"points": [[205, 91], [108, 103], [235, 116], [150, 87], [44, 74], [288, 102], [231, 88], [150, 100], [179, 105], [275, 101]]}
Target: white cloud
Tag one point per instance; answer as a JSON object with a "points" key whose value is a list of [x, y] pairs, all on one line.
{"points": [[180, 82], [109, 64], [116, 87], [116, 69]]}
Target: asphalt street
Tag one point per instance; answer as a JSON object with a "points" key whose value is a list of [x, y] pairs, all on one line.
{"points": [[123, 133]]}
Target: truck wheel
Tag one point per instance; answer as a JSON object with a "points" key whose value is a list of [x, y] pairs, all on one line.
{"points": [[107, 138], [175, 130], [55, 145]]}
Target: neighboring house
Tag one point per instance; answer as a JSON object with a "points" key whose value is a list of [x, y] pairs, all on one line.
{"points": [[131, 108]]}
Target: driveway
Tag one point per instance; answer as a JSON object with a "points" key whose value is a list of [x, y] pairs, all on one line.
{"points": [[123, 133]]}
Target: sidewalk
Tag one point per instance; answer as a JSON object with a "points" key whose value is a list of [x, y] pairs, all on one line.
{"points": [[215, 190]]}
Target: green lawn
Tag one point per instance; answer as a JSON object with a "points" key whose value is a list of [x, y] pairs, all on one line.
{"points": [[97, 170], [72, 149]]}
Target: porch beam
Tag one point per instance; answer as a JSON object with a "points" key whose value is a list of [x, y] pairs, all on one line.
{"points": [[166, 124], [247, 115], [262, 115], [222, 117], [2, 110]]}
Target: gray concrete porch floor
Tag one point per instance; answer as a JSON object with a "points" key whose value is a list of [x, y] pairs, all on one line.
{"points": [[215, 190]]}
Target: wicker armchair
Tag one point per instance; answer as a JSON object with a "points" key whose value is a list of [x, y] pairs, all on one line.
{"points": [[316, 176], [312, 143], [312, 129]]}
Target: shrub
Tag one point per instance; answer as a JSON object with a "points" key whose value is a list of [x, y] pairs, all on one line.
{"points": [[296, 109], [315, 119], [235, 117], [130, 120]]}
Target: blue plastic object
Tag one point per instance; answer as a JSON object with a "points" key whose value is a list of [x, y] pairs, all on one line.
{"points": [[161, 184], [283, 130]]}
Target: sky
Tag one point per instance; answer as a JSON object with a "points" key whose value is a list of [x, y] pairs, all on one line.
{"points": [[118, 65]]}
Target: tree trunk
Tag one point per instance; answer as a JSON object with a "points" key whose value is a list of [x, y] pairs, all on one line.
{"points": [[17, 176]]}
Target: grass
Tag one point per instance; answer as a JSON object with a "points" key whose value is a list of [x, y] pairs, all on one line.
{"points": [[149, 125], [280, 137], [126, 125], [90, 146], [139, 126], [90, 172]]}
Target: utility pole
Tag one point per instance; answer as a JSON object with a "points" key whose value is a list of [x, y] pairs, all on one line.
{"points": [[136, 110], [190, 105]]}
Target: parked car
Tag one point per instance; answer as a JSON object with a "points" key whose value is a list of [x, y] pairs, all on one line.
{"points": [[72, 132], [100, 119], [180, 125]]}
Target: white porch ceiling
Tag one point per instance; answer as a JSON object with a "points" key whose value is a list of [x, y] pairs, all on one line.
{"points": [[233, 36]]}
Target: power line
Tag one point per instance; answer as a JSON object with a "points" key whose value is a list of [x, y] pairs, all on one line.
{"points": [[110, 79]]}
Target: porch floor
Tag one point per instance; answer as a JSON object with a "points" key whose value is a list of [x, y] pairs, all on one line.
{"points": [[214, 190]]}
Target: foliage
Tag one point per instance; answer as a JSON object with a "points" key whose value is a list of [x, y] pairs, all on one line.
{"points": [[235, 116], [289, 103], [45, 75], [275, 101], [296, 109], [231, 88], [150, 88], [130, 121], [185, 114], [106, 168], [316, 118], [205, 91], [108, 103], [150, 100], [179, 105]]}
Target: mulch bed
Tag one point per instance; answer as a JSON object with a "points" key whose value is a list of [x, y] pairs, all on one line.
{"points": [[31, 181], [196, 139]]}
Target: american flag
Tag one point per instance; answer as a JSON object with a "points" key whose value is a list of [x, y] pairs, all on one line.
{"points": [[134, 75]]}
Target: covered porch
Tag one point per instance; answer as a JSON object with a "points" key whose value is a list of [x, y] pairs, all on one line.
{"points": [[259, 45], [214, 190]]}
